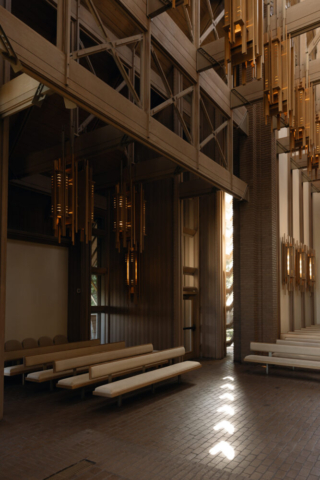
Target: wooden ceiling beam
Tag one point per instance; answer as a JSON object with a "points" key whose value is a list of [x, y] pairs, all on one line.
{"points": [[18, 94], [195, 188], [98, 98], [147, 171], [87, 146]]}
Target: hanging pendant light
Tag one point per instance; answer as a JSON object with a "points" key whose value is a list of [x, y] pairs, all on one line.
{"points": [[130, 228], [72, 196]]}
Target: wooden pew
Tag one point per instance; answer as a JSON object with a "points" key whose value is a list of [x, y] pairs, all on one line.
{"points": [[72, 366], [303, 338], [299, 343], [121, 387], [19, 355], [49, 358], [285, 355], [107, 371], [29, 352]]}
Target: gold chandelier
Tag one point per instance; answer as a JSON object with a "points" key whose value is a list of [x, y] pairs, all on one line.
{"points": [[311, 273], [72, 200], [279, 73], [244, 36], [288, 263], [130, 229]]}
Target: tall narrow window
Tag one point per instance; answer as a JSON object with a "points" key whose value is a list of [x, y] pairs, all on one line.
{"points": [[229, 267]]}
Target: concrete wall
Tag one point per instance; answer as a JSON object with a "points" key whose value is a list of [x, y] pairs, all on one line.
{"points": [[316, 246], [302, 225], [37, 290], [284, 230], [296, 235]]}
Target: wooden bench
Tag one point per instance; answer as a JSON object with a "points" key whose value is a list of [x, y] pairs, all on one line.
{"points": [[285, 355], [107, 371], [73, 366], [119, 388], [298, 343], [302, 338], [18, 355]]}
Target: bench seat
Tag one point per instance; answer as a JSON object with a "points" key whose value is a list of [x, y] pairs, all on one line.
{"points": [[126, 385], [47, 375], [298, 343], [96, 358], [294, 355], [84, 380], [303, 338], [17, 370], [285, 362]]}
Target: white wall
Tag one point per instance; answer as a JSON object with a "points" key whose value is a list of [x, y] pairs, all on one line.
{"points": [[37, 290], [283, 228], [296, 236], [316, 246], [306, 231]]}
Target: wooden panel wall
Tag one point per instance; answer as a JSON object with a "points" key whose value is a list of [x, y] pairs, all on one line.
{"points": [[4, 160], [79, 292], [152, 319], [256, 239], [211, 277]]}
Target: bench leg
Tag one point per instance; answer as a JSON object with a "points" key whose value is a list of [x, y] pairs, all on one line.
{"points": [[179, 378], [51, 385], [267, 369], [119, 400], [23, 379], [83, 393]]}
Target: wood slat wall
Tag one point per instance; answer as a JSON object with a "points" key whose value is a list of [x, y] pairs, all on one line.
{"points": [[4, 160], [152, 319], [211, 279], [256, 239]]}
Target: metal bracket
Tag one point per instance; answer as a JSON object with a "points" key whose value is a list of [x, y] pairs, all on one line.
{"points": [[8, 52], [155, 7], [205, 61], [237, 100], [40, 95]]}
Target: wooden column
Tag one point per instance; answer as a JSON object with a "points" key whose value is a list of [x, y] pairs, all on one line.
{"points": [[4, 160], [211, 276], [4, 157], [79, 292]]}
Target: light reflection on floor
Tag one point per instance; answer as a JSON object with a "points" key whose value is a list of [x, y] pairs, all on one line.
{"points": [[227, 409], [225, 425], [228, 386], [227, 396], [224, 447]]}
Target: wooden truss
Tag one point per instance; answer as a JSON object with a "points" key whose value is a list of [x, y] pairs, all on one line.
{"points": [[213, 22], [214, 133], [172, 100], [65, 76]]}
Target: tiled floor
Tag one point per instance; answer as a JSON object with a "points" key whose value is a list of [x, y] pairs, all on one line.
{"points": [[273, 429]]}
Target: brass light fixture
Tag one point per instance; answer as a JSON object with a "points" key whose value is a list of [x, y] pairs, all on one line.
{"points": [[72, 199], [288, 263], [301, 267], [244, 36], [130, 229], [279, 73], [311, 273]]}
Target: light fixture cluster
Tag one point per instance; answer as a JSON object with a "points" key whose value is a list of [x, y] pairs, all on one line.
{"points": [[72, 206], [298, 266], [130, 229], [243, 25], [279, 74], [305, 127]]}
